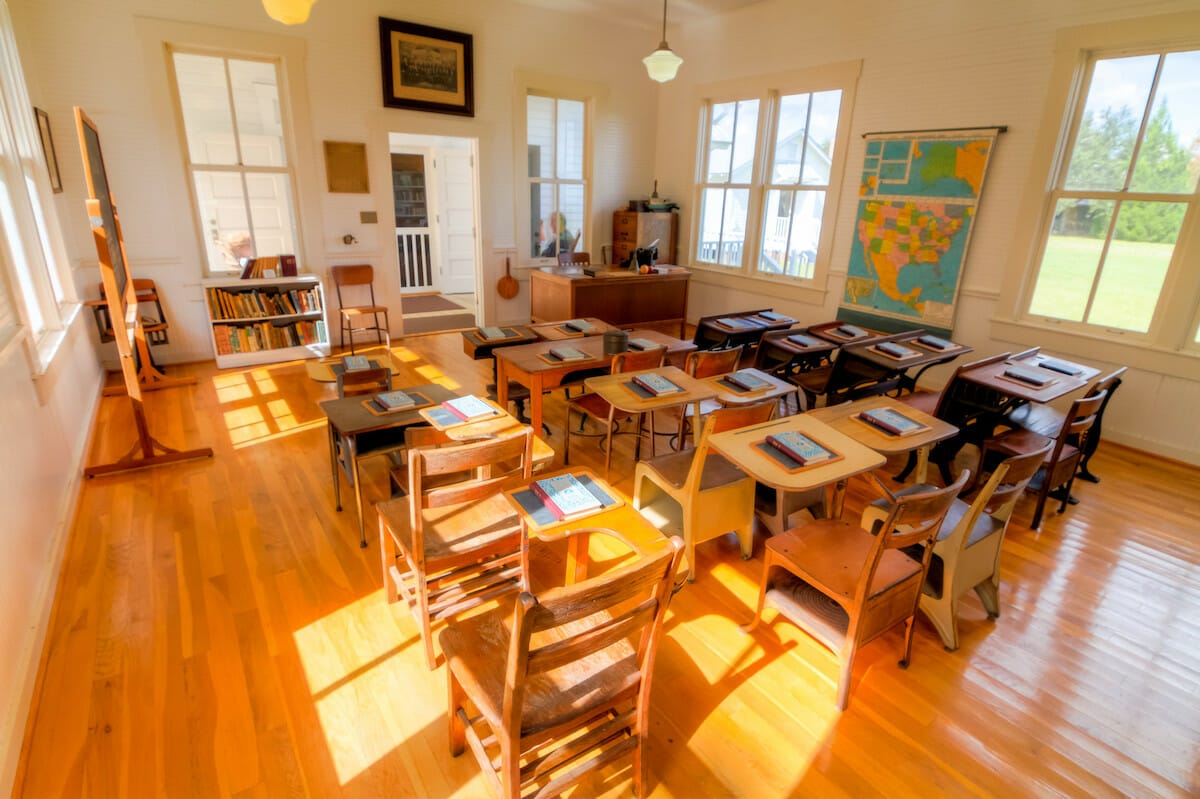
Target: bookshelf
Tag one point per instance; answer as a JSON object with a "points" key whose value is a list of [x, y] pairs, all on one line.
{"points": [[266, 320]]}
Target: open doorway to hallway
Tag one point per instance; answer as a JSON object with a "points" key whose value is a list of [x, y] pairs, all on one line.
{"points": [[435, 190]]}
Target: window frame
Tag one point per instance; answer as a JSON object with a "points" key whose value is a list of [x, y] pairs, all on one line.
{"points": [[289, 169], [769, 90], [553, 90]]}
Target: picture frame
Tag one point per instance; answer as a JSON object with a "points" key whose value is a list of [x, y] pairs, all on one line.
{"points": [[43, 124], [426, 68]]}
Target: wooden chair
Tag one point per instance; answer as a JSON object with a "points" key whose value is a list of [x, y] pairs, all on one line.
{"points": [[600, 409], [375, 380], [966, 550], [1059, 466], [848, 378], [377, 442], [701, 364], [1046, 420], [455, 542], [846, 586], [697, 493], [362, 278], [560, 686], [566, 258]]}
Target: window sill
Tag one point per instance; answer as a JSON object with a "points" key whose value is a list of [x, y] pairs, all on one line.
{"points": [[1181, 364]]}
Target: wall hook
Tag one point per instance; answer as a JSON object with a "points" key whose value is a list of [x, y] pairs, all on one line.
{"points": [[349, 239]]}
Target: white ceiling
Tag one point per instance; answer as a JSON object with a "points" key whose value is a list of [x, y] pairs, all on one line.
{"points": [[644, 13]]}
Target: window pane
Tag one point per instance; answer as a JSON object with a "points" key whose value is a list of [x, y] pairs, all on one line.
{"points": [[570, 139], [223, 219], [204, 99], [18, 256], [720, 142], [723, 215], [539, 126], [1173, 129], [570, 206], [1136, 265], [1112, 116], [1071, 259], [791, 230], [744, 141], [259, 123], [789, 138], [822, 130], [271, 213], [731, 142], [545, 225]]}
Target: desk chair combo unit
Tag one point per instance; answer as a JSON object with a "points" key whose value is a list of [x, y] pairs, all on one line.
{"points": [[359, 281]]}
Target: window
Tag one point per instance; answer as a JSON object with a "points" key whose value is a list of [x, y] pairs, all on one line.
{"points": [[1123, 192], [237, 156], [556, 134], [766, 173]]}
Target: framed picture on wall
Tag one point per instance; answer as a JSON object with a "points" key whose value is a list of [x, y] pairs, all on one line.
{"points": [[426, 68], [43, 123]]}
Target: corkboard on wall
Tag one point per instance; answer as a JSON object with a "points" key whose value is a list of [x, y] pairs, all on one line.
{"points": [[346, 167]]}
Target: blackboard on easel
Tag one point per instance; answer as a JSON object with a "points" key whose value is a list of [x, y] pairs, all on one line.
{"points": [[121, 298]]}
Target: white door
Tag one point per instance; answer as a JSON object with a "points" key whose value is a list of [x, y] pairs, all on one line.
{"points": [[456, 221]]}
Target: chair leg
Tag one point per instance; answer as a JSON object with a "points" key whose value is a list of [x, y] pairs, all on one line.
{"points": [[458, 730], [567, 438], [989, 595], [843, 690], [908, 636], [1043, 492], [903, 474], [762, 594]]}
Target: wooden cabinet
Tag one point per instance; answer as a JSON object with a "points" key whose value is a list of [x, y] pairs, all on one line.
{"points": [[266, 321], [619, 297], [633, 229]]}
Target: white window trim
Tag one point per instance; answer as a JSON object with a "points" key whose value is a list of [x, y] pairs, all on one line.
{"points": [[767, 89], [1167, 348], [591, 95]]}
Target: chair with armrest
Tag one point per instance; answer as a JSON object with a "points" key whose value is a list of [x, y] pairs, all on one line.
{"points": [[548, 692], [697, 493], [359, 280], [1060, 464], [846, 586], [455, 541], [607, 414], [1047, 420], [966, 551]]}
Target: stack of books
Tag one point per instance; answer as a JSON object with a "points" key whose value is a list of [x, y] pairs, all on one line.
{"points": [[656, 384], [566, 497], [891, 421], [799, 447]]}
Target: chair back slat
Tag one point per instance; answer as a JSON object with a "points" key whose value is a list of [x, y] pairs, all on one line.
{"points": [[915, 518], [594, 639], [706, 363], [635, 361], [1017, 472], [733, 417], [477, 460], [355, 275]]}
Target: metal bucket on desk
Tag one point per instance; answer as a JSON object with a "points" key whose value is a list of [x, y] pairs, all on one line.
{"points": [[615, 341]]}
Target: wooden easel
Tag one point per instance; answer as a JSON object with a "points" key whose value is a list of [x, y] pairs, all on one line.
{"points": [[121, 298], [149, 375]]}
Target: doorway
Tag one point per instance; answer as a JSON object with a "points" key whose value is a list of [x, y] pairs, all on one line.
{"points": [[435, 193]]}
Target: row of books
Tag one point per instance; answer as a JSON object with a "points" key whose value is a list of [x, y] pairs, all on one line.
{"points": [[257, 303], [231, 339]]}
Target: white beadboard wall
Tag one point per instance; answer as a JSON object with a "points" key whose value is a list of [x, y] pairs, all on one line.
{"points": [[925, 64]]}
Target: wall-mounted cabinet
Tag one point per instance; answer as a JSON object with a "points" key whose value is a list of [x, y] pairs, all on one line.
{"points": [[266, 321]]}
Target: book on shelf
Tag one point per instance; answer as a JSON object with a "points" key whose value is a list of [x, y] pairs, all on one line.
{"points": [[565, 497], [848, 331], [579, 325], [894, 350], [1060, 366], [891, 421], [936, 343], [746, 380], [1028, 376], [492, 333], [656, 384], [395, 400], [355, 363], [469, 408], [569, 354], [802, 340], [287, 265], [775, 317], [799, 447]]}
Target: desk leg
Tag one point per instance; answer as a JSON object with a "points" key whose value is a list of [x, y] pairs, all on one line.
{"points": [[362, 532], [838, 501], [333, 468], [501, 373], [535, 402], [696, 425], [922, 463], [577, 557]]}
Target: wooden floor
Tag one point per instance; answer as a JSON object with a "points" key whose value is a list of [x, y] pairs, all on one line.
{"points": [[218, 632]]}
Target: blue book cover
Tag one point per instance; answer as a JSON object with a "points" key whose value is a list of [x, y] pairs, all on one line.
{"points": [[354, 363], [894, 350], [580, 325], [848, 331], [802, 340], [892, 421], [747, 380], [935, 343], [569, 354], [799, 447], [392, 400], [656, 384], [1028, 376], [565, 496]]}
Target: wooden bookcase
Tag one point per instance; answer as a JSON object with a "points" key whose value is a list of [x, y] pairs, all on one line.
{"points": [[633, 229], [267, 320]]}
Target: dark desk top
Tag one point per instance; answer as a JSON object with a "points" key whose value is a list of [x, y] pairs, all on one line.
{"points": [[924, 356], [350, 417], [992, 376], [477, 347]]}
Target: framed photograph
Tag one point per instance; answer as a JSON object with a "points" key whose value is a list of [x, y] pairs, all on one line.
{"points": [[426, 69], [43, 123]]}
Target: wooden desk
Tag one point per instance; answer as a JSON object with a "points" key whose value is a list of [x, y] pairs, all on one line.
{"points": [[841, 418], [557, 331], [619, 296], [524, 366], [740, 447], [729, 394], [825, 331], [899, 369], [476, 347], [711, 334], [1012, 393]]}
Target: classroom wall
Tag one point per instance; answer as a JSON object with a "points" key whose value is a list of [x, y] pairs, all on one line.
{"points": [[925, 64]]}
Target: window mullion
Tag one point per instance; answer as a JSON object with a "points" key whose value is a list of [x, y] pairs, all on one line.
{"points": [[1141, 134], [1112, 225]]}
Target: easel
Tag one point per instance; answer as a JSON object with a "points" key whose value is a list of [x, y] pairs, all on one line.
{"points": [[150, 376], [121, 299]]}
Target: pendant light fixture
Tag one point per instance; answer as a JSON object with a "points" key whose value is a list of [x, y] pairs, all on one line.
{"points": [[289, 12], [662, 64]]}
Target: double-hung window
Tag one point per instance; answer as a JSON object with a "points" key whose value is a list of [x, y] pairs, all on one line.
{"points": [[1124, 191], [556, 137], [237, 156], [768, 161]]}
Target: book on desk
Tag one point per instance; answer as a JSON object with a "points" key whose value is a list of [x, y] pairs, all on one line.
{"points": [[890, 349], [802, 340], [641, 344], [747, 381], [656, 385], [565, 497], [847, 332], [569, 354], [1028, 376], [891, 421], [355, 363], [799, 447], [496, 333], [1061, 366], [579, 325], [935, 343], [395, 400], [738, 323]]}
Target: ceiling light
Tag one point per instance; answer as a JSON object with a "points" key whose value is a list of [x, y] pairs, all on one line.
{"points": [[662, 64], [289, 12]]}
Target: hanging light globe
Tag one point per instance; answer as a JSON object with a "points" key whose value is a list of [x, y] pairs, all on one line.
{"points": [[289, 12], [663, 64]]}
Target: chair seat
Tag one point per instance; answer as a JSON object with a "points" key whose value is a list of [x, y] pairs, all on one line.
{"points": [[473, 646], [445, 537], [674, 466], [1016, 442], [1040, 419], [829, 553], [592, 404], [363, 310]]}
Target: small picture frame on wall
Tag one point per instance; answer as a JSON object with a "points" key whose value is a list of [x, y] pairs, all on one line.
{"points": [[426, 68], [43, 123]]}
